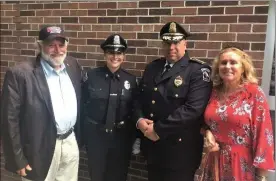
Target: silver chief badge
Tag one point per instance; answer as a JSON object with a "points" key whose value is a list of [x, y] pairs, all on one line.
{"points": [[178, 81], [127, 85]]}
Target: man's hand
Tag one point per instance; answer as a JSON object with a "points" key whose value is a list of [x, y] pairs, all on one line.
{"points": [[22, 172], [211, 143], [143, 124], [151, 134]]}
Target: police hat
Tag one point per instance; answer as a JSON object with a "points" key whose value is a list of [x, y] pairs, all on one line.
{"points": [[51, 32], [114, 43], [173, 32]]}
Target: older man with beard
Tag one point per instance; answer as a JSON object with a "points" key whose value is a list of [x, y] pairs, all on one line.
{"points": [[40, 112]]}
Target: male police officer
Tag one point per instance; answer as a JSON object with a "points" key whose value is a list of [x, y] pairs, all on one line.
{"points": [[174, 92], [108, 99]]}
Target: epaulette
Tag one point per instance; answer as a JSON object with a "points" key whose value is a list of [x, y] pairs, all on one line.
{"points": [[198, 61]]}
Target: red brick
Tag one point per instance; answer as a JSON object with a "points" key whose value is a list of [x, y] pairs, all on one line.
{"points": [[32, 33], [20, 7], [52, 20], [212, 53], [135, 12], [222, 36], [198, 36], [4, 26], [149, 4], [256, 55], [32, 46], [96, 12], [239, 10], [13, 51], [78, 13], [257, 46], [69, 19], [157, 44], [197, 19], [107, 5], [197, 3], [87, 20], [88, 5], [95, 56], [69, 5], [78, 55], [77, 41], [27, 13], [172, 3], [10, 39], [172, 18], [6, 6], [160, 11], [43, 12], [251, 37], [207, 45], [6, 32], [149, 19], [86, 34], [17, 33], [137, 43], [254, 2], [27, 39], [73, 27], [6, 19], [131, 27], [197, 53], [101, 27], [240, 27], [112, 12], [107, 20], [87, 27], [225, 3], [130, 20], [28, 52], [60, 12], [221, 28], [261, 10], [23, 26], [224, 19], [259, 28], [19, 19], [127, 5], [244, 46], [147, 35], [52, 6], [35, 6], [86, 48], [73, 34], [147, 51], [136, 58], [202, 28], [253, 18], [35, 20], [101, 35], [87, 62], [11, 13], [7, 45], [141, 66], [128, 65], [116, 28], [184, 11], [94, 41], [128, 35], [210, 11], [148, 28], [35, 26]]}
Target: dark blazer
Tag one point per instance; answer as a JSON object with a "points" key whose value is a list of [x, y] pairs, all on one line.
{"points": [[175, 101], [27, 119]]}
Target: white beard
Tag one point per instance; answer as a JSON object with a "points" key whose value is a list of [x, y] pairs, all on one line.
{"points": [[57, 61]]}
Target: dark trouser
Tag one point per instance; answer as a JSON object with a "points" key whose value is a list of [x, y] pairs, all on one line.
{"points": [[108, 155], [156, 173]]}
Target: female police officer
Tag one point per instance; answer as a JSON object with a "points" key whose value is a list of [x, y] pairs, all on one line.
{"points": [[108, 105]]}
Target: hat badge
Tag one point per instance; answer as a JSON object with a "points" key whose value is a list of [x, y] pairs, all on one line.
{"points": [[178, 81], [116, 40], [172, 27], [54, 29]]}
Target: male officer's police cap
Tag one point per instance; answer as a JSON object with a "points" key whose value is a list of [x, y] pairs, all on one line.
{"points": [[48, 33], [173, 32], [114, 43]]}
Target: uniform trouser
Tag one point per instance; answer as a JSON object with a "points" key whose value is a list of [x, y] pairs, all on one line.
{"points": [[108, 155], [157, 173], [65, 162]]}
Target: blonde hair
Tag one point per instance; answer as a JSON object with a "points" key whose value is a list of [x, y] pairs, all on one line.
{"points": [[249, 74]]}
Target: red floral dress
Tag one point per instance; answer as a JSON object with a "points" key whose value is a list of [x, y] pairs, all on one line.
{"points": [[242, 127]]}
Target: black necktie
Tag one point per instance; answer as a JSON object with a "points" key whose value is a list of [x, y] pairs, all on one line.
{"points": [[112, 104], [167, 68]]}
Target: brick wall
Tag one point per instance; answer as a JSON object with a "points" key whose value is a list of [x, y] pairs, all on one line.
{"points": [[87, 24]]}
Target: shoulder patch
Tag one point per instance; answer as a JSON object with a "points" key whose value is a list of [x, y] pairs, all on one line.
{"points": [[197, 60]]}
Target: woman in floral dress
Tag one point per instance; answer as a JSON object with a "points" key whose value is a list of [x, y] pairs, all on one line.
{"points": [[238, 120]]}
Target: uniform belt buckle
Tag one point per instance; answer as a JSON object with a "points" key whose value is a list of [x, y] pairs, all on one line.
{"points": [[65, 135]]}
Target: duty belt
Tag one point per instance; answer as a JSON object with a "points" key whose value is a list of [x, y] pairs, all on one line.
{"points": [[65, 135]]}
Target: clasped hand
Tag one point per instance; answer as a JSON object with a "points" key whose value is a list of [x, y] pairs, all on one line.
{"points": [[146, 126]]}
